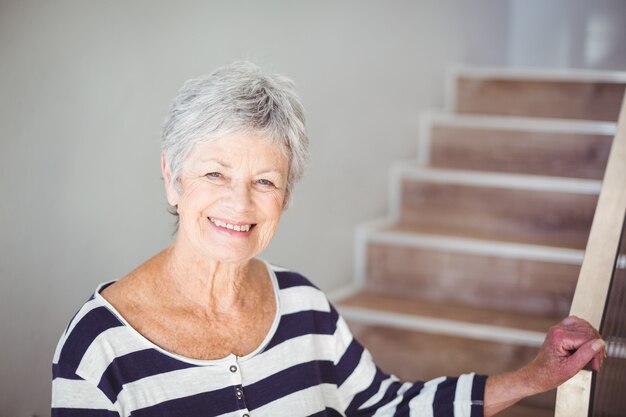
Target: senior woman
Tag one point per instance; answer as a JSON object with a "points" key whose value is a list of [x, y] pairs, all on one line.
{"points": [[205, 328]]}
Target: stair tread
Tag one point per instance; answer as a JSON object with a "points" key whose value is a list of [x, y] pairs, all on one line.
{"points": [[539, 241], [389, 230], [414, 169], [520, 123], [402, 229], [532, 73], [448, 311]]}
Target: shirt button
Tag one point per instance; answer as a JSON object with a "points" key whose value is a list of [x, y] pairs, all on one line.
{"points": [[239, 394], [233, 368], [246, 415]]}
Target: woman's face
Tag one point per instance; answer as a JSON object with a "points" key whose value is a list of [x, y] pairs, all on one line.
{"points": [[232, 193]]}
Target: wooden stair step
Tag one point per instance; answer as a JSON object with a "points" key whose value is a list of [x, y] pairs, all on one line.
{"points": [[509, 207], [507, 277], [517, 145], [449, 311], [582, 95], [424, 351]]}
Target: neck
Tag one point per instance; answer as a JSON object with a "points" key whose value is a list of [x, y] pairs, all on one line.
{"points": [[216, 287]]}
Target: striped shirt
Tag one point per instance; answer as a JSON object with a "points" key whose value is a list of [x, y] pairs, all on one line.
{"points": [[308, 365]]}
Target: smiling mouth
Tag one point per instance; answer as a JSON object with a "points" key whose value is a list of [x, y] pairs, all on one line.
{"points": [[235, 227]]}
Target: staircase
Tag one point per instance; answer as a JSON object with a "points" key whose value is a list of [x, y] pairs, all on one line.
{"points": [[484, 240]]}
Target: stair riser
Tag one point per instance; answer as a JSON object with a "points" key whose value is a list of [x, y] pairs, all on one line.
{"points": [[586, 100], [523, 152], [516, 285], [423, 356], [518, 215]]}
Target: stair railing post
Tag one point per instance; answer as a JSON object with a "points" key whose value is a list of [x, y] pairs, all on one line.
{"points": [[592, 290]]}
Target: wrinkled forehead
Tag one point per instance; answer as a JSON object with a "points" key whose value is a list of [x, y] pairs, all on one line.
{"points": [[238, 148]]}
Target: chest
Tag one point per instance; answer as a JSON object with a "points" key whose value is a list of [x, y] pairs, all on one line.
{"points": [[228, 388], [199, 337]]}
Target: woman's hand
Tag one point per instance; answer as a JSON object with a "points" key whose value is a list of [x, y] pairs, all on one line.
{"points": [[569, 346]]}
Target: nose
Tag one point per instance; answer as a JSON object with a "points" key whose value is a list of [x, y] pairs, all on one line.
{"points": [[240, 197]]}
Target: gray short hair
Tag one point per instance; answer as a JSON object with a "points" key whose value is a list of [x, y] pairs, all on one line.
{"points": [[237, 98]]}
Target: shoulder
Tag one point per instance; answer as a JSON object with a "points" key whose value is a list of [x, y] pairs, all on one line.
{"points": [[295, 286], [289, 279], [84, 331], [298, 294]]}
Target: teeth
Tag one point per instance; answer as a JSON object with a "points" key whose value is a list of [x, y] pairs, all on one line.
{"points": [[242, 228]]}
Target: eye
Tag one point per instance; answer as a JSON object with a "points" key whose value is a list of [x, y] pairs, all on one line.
{"points": [[215, 177], [266, 183]]}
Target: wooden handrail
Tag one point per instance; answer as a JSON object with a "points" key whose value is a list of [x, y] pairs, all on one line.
{"points": [[594, 280]]}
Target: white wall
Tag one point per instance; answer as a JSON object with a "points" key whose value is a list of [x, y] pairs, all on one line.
{"points": [[83, 89], [568, 34]]}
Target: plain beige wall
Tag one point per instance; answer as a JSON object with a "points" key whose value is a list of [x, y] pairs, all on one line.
{"points": [[84, 86]]}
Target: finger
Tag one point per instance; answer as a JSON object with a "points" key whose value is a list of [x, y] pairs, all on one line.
{"points": [[579, 325], [590, 352], [596, 362], [568, 321], [572, 339]]}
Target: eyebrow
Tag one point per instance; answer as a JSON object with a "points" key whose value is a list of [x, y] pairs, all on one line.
{"points": [[222, 163], [227, 165], [270, 171]]}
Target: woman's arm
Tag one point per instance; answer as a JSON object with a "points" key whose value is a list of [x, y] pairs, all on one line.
{"points": [[364, 390], [75, 396], [569, 347]]}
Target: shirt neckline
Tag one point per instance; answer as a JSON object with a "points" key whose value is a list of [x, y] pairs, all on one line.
{"points": [[204, 362]]}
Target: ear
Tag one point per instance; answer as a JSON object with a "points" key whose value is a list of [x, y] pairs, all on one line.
{"points": [[286, 201], [170, 190]]}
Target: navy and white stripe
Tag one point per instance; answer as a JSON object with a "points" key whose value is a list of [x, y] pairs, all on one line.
{"points": [[309, 365]]}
